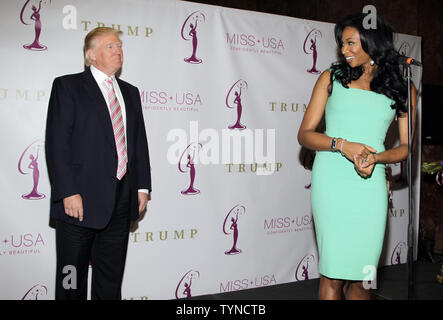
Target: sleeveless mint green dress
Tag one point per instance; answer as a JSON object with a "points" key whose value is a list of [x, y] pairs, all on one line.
{"points": [[349, 211]]}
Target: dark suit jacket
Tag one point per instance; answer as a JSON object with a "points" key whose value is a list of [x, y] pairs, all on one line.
{"points": [[81, 153]]}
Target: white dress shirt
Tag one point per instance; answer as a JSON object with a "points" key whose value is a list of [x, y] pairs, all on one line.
{"points": [[100, 77]]}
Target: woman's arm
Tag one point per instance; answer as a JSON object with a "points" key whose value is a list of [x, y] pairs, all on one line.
{"points": [[309, 138], [400, 152]]}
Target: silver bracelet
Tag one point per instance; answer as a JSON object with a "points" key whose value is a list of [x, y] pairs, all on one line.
{"points": [[333, 144]]}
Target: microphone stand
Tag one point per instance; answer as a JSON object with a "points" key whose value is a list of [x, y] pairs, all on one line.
{"points": [[410, 205], [407, 61]]}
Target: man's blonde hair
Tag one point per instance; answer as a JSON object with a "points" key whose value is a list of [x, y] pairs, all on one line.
{"points": [[92, 36]]}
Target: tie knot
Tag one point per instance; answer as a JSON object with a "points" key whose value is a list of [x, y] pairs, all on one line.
{"points": [[108, 81]]}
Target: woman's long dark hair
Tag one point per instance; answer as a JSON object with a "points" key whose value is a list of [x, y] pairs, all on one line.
{"points": [[378, 43]]}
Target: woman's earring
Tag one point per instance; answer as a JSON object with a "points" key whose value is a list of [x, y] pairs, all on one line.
{"points": [[372, 62]]}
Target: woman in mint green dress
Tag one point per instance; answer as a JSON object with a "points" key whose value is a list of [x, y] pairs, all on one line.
{"points": [[360, 96]]}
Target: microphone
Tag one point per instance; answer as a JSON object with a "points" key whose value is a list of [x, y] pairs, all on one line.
{"points": [[407, 61]]}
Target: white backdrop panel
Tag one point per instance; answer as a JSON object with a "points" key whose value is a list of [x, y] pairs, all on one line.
{"points": [[221, 226]]}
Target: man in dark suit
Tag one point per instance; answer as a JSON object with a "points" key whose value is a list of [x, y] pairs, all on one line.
{"points": [[98, 163]]}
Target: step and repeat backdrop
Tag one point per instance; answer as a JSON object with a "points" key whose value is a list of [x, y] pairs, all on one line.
{"points": [[223, 94]]}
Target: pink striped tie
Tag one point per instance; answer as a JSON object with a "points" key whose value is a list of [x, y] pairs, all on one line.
{"points": [[119, 128]]}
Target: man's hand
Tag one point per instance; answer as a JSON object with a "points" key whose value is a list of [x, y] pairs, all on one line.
{"points": [[74, 206], [142, 201]]}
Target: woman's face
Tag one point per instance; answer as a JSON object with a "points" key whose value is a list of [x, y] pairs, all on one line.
{"points": [[352, 50]]}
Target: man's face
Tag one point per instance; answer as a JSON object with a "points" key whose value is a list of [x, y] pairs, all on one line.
{"points": [[106, 54]]}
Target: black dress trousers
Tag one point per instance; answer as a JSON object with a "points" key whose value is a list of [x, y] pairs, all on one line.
{"points": [[104, 249]]}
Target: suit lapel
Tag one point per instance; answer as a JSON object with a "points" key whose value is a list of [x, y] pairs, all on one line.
{"points": [[98, 102]]}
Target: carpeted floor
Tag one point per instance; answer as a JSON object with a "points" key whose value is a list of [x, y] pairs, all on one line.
{"points": [[392, 284]]}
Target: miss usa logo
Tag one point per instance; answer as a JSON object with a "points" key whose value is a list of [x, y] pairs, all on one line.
{"points": [[305, 268], [230, 226], [310, 47], [30, 14], [189, 32], [186, 164], [183, 289], [404, 50], [36, 292], [399, 255], [233, 101], [29, 163]]}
